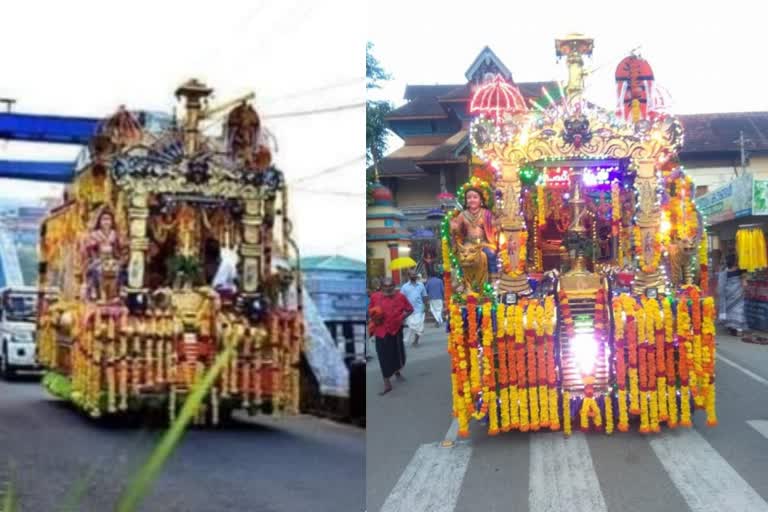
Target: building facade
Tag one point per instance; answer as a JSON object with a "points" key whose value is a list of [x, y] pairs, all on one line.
{"points": [[337, 287]]}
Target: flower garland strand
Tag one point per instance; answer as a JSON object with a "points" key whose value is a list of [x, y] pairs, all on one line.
{"points": [[642, 344], [549, 333], [474, 369], [669, 348], [523, 393], [541, 363], [704, 263], [708, 358], [501, 346], [621, 371], [683, 335], [631, 334], [530, 338], [489, 381], [511, 329], [463, 393], [567, 413], [616, 218]]}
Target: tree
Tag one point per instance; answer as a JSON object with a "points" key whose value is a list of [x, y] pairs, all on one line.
{"points": [[376, 111]]}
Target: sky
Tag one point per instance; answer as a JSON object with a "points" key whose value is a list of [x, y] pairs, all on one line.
{"points": [[710, 59], [87, 58]]}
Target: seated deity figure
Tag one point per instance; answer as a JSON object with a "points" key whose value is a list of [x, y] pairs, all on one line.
{"points": [[476, 225], [103, 254]]}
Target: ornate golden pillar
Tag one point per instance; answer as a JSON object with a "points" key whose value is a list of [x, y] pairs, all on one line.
{"points": [[252, 248], [138, 213], [511, 225], [649, 221]]}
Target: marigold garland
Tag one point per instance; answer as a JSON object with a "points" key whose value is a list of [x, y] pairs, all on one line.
{"points": [[704, 263], [685, 407], [511, 327], [489, 386], [501, 345], [608, 414], [711, 412], [474, 368], [623, 425], [541, 212], [567, 413]]}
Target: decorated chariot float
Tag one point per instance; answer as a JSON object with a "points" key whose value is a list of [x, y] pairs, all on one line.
{"points": [[164, 253], [576, 262]]}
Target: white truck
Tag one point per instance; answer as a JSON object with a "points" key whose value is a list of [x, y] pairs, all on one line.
{"points": [[18, 317]]}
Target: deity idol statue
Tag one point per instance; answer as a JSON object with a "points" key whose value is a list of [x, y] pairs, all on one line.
{"points": [[103, 252], [475, 225]]}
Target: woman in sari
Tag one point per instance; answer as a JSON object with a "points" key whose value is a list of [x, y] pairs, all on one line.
{"points": [[731, 284]]}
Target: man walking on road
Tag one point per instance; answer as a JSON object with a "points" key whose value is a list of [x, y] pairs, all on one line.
{"points": [[386, 311], [435, 291], [416, 294]]}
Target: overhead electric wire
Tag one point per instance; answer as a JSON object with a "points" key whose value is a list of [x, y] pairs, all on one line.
{"points": [[329, 170], [325, 110], [314, 90], [329, 192]]}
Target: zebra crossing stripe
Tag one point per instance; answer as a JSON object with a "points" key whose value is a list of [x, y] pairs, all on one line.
{"points": [[759, 425], [562, 475], [432, 480], [704, 478]]}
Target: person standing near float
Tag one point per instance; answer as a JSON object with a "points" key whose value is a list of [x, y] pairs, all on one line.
{"points": [[435, 291], [386, 312], [416, 294]]}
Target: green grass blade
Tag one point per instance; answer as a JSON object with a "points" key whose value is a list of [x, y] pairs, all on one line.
{"points": [[10, 502], [140, 485]]}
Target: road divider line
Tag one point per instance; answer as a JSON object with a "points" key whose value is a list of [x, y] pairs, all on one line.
{"points": [[704, 478], [747, 372], [759, 425], [562, 475], [432, 480]]}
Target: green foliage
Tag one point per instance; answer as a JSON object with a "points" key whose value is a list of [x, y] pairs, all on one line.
{"points": [[374, 72], [188, 266], [58, 385], [375, 111], [10, 501]]}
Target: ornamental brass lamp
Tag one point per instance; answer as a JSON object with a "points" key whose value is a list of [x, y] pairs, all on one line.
{"points": [[193, 91]]}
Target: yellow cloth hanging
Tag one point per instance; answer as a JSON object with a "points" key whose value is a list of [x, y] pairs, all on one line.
{"points": [[751, 249]]}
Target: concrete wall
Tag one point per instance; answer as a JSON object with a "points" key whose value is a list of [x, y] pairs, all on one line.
{"points": [[718, 174]]}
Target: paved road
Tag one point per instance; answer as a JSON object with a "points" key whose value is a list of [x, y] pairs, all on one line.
{"points": [[300, 463], [703, 469]]}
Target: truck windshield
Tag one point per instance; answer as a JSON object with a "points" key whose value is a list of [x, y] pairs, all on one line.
{"points": [[20, 307]]}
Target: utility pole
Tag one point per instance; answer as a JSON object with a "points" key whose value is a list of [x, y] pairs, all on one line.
{"points": [[742, 142], [9, 102]]}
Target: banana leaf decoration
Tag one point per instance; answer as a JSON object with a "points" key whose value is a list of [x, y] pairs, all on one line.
{"points": [[187, 267]]}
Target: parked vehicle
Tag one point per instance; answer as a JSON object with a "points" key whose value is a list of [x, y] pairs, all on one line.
{"points": [[18, 330]]}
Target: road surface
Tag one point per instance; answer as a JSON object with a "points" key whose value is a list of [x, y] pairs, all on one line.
{"points": [[49, 452], [699, 469]]}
